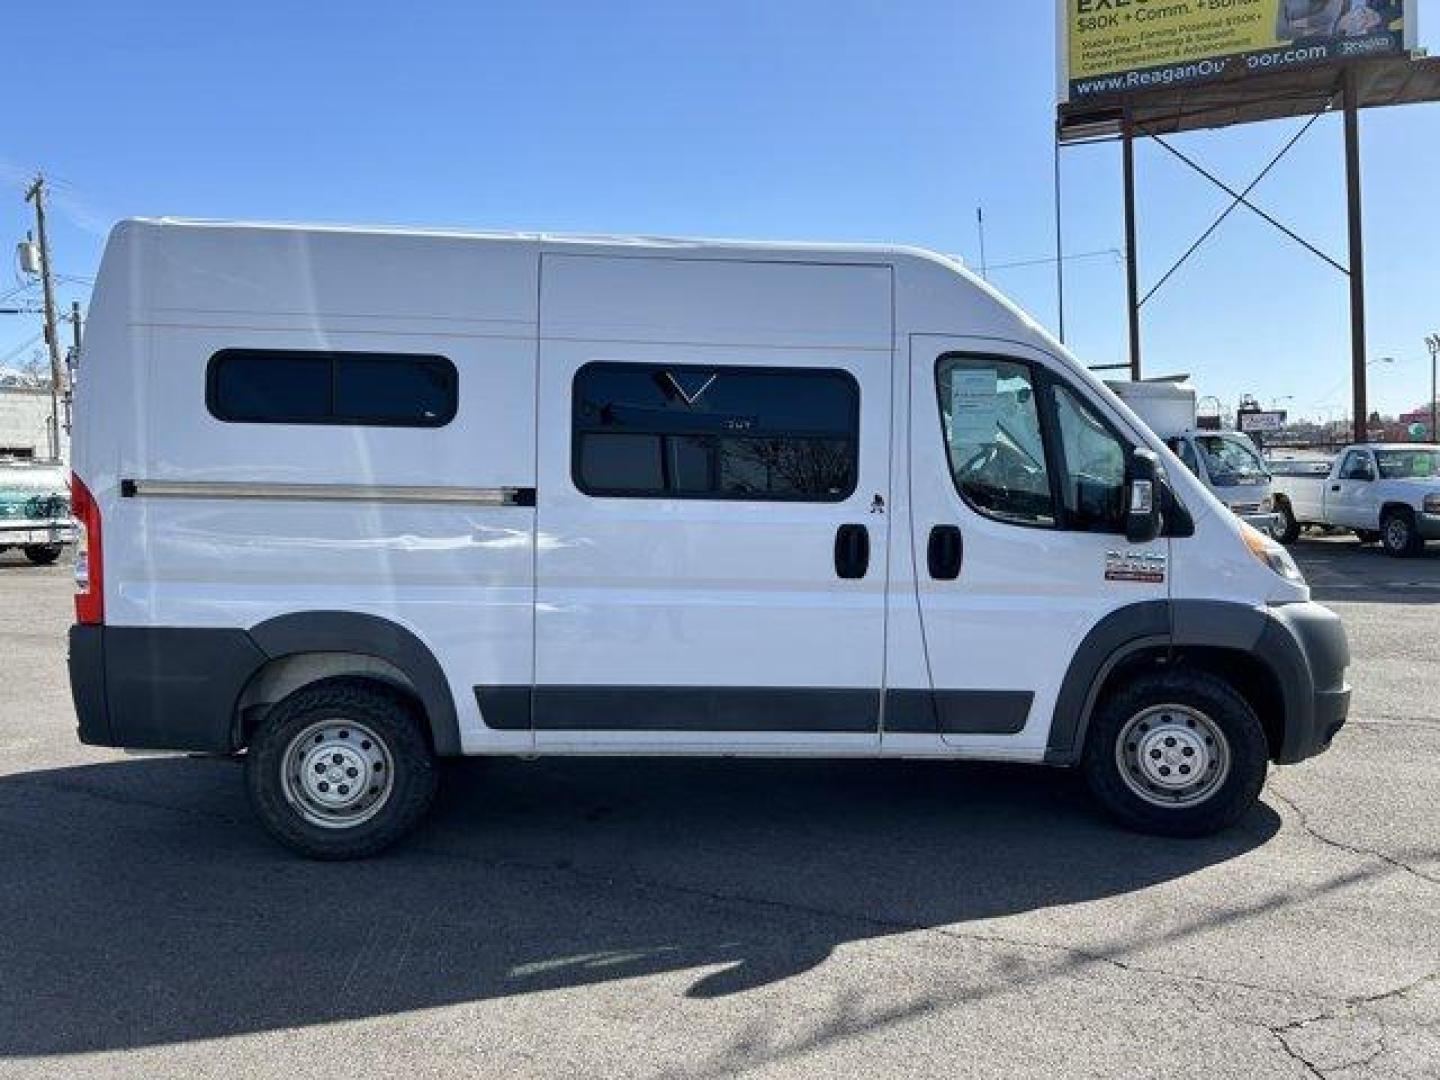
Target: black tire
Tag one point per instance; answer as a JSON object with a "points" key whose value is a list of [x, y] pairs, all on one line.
{"points": [[1289, 530], [1399, 535], [389, 740], [43, 554], [1172, 700], [1367, 536]]}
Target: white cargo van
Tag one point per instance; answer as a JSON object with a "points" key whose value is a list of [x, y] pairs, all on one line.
{"points": [[355, 500]]}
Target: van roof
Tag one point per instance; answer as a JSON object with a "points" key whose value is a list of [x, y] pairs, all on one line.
{"points": [[599, 240]]}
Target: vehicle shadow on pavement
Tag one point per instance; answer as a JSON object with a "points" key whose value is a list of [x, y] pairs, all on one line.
{"points": [[144, 906]]}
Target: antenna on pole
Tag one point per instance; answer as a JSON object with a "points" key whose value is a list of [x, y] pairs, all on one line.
{"points": [[980, 222]]}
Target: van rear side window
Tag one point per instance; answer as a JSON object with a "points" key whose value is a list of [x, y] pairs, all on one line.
{"points": [[269, 386], [740, 433]]}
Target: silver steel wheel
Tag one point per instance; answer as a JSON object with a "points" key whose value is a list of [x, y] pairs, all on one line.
{"points": [[1397, 533], [1172, 756], [337, 774]]}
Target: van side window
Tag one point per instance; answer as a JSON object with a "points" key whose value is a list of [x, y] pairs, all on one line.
{"points": [[272, 386], [994, 440], [1094, 476], [681, 431]]}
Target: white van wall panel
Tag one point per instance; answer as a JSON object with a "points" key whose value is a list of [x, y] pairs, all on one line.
{"points": [[325, 275], [490, 443], [458, 577], [718, 301]]}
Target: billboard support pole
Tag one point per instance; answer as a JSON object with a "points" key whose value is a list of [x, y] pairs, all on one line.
{"points": [[1132, 264], [1357, 256], [1059, 244]]}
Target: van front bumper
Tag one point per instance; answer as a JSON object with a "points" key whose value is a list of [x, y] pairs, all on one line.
{"points": [[1306, 646]]}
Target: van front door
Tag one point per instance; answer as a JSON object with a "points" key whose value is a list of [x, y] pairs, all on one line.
{"points": [[713, 520], [1018, 509]]}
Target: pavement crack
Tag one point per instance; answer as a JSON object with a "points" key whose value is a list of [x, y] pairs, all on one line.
{"points": [[1354, 849], [1278, 1034]]}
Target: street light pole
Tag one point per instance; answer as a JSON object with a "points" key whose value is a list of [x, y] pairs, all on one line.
{"points": [[1433, 341]]}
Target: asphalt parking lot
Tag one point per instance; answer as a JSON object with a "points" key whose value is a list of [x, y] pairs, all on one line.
{"points": [[682, 918]]}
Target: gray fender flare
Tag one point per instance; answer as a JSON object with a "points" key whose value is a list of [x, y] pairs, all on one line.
{"points": [[1300, 645], [369, 635]]}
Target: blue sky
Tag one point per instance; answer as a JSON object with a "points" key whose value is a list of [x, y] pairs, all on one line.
{"points": [[835, 120]]}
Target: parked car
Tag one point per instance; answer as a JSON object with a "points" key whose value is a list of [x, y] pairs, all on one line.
{"points": [[1227, 462], [35, 509], [355, 500], [1383, 492]]}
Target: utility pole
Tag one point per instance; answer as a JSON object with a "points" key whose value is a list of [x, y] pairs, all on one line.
{"points": [[36, 194], [74, 358]]}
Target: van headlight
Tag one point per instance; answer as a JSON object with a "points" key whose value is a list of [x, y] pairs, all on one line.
{"points": [[1272, 554], [1267, 504]]}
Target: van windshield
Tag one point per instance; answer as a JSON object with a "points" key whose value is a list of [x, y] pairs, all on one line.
{"points": [[1231, 460], [1423, 464]]}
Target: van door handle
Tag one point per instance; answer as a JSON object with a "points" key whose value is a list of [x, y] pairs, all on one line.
{"points": [[852, 552], [1334, 487], [946, 553]]}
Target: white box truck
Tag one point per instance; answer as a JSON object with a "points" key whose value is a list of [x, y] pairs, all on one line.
{"points": [[354, 500], [1227, 462]]}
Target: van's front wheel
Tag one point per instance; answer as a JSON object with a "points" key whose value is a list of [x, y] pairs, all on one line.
{"points": [[1178, 753], [340, 770]]}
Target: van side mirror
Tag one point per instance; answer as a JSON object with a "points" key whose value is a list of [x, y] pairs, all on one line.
{"points": [[1142, 512]]}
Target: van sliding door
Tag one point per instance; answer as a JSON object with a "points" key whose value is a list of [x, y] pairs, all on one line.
{"points": [[712, 516]]}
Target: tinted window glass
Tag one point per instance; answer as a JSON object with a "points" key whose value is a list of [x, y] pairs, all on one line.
{"points": [[383, 389], [715, 432], [270, 388], [1094, 477], [292, 387], [994, 439], [611, 462]]}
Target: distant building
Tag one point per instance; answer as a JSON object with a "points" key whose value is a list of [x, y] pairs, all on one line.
{"points": [[25, 423]]}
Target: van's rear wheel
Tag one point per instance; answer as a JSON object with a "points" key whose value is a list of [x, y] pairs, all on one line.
{"points": [[1177, 753], [340, 770]]}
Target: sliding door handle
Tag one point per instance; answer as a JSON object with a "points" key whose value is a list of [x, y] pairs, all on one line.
{"points": [[852, 552], [946, 552]]}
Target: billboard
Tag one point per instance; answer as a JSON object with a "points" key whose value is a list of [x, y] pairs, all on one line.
{"points": [[1118, 47]]}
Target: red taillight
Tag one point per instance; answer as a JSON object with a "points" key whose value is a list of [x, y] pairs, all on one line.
{"points": [[89, 557]]}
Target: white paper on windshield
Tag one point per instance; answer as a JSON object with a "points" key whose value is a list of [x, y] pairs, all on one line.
{"points": [[974, 408]]}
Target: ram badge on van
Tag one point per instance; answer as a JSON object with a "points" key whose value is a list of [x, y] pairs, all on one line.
{"points": [[351, 501]]}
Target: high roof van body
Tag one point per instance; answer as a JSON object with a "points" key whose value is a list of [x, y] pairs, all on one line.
{"points": [[352, 500]]}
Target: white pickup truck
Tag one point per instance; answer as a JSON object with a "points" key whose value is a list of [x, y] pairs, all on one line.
{"points": [[1382, 492]]}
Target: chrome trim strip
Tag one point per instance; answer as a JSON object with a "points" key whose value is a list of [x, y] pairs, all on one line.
{"points": [[227, 489]]}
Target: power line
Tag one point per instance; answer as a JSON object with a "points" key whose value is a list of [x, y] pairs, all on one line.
{"points": [[13, 353], [1114, 253]]}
